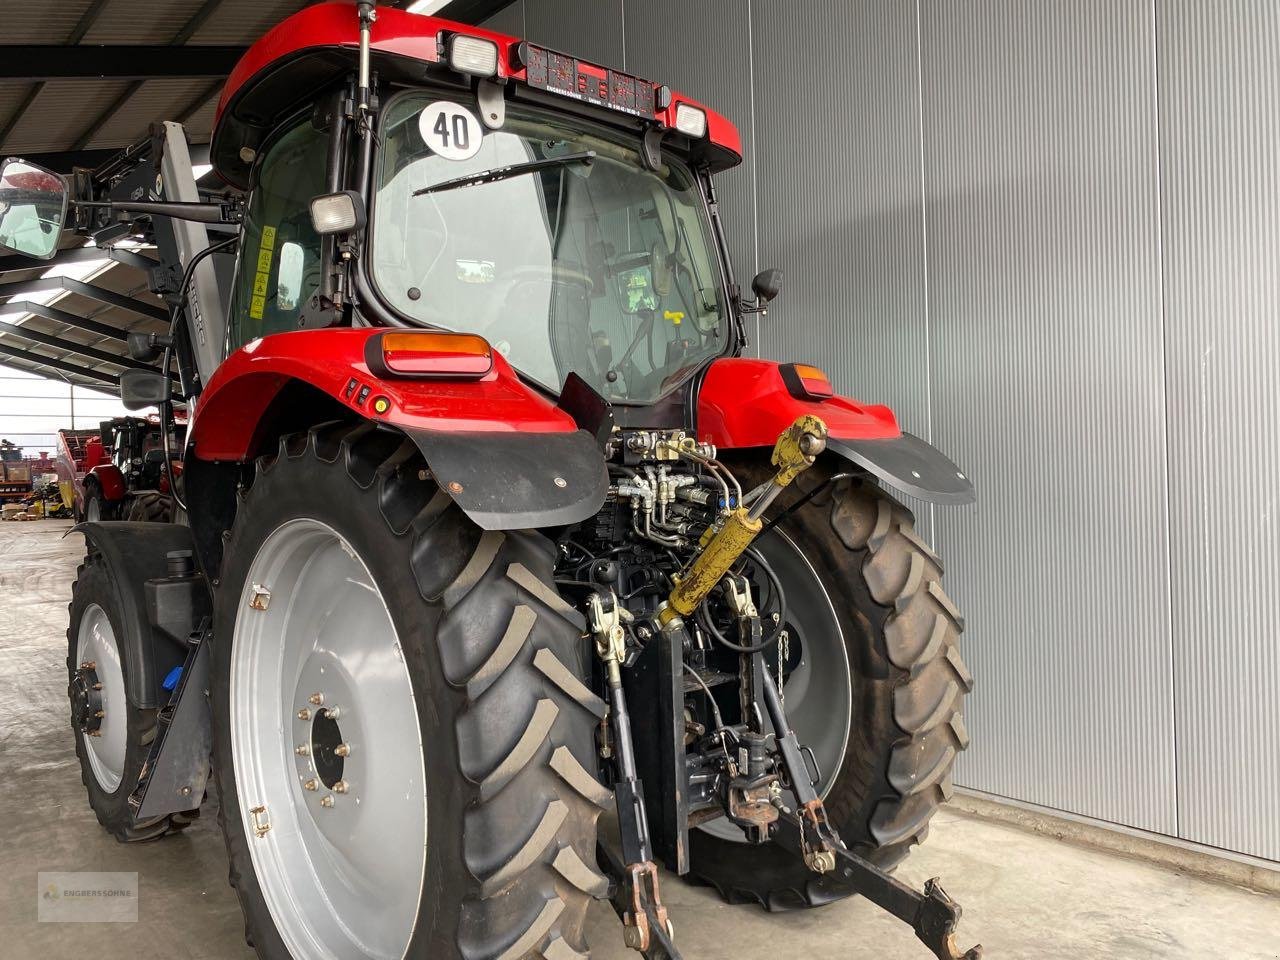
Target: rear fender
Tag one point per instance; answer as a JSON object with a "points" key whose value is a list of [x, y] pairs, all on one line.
{"points": [[507, 455], [109, 479], [746, 403], [158, 611]]}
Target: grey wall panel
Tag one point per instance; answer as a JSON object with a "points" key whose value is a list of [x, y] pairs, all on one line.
{"points": [[509, 20], [1220, 100], [838, 147], [591, 30], [1046, 354], [703, 49]]}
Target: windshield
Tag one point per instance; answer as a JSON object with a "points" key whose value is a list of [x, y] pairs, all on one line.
{"points": [[568, 255]]}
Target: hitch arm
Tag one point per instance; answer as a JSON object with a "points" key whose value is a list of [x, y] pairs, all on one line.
{"points": [[932, 915]]}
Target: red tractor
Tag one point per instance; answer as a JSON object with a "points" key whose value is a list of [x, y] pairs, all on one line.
{"points": [[490, 526], [120, 471]]}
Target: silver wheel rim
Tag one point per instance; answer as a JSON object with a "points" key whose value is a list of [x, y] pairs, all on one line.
{"points": [[92, 512], [341, 872], [819, 690], [96, 643]]}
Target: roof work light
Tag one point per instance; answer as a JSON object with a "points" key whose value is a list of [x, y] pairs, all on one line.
{"points": [[691, 120], [473, 56]]}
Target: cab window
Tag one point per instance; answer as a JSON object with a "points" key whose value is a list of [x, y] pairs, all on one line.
{"points": [[280, 258]]}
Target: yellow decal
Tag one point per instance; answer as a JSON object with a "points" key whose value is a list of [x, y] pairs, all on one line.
{"points": [[263, 277]]}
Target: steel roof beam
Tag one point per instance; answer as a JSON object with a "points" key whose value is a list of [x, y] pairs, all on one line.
{"points": [[17, 262], [112, 299], [54, 364], [70, 319], [87, 20], [70, 346], [61, 161], [193, 24], [33, 62]]}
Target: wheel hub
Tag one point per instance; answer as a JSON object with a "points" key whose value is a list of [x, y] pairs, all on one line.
{"points": [[86, 699], [328, 750]]}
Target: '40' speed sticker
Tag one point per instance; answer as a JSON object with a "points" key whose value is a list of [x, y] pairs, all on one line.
{"points": [[450, 130]]}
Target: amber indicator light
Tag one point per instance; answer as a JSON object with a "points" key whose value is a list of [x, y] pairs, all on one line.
{"points": [[805, 381], [428, 353]]}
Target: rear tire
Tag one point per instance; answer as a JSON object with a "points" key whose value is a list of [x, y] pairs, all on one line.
{"points": [[505, 722], [111, 763], [153, 507], [902, 635]]}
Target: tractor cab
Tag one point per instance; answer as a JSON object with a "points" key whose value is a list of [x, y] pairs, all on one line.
{"points": [[560, 210]]}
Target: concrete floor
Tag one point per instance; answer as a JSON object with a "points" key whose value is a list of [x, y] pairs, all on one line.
{"points": [[1025, 896]]}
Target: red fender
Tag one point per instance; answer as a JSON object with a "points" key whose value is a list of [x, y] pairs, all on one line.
{"points": [[745, 403], [109, 479], [505, 453], [333, 360]]}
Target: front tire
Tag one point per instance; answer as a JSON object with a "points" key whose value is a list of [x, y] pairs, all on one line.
{"points": [[97, 507], [901, 633], [113, 747], [501, 724]]}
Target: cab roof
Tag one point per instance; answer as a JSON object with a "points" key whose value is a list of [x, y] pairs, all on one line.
{"points": [[320, 44]]}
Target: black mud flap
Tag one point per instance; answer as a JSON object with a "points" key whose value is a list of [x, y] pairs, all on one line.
{"points": [[911, 465], [518, 481], [177, 769], [136, 553]]}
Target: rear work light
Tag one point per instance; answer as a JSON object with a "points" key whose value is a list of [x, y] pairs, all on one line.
{"points": [[690, 120], [473, 56], [429, 354], [337, 212], [806, 382]]}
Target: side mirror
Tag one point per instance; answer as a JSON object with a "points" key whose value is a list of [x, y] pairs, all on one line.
{"points": [[140, 389], [767, 284], [33, 209]]}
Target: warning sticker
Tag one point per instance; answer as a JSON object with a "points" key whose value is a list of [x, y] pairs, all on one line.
{"points": [[262, 279]]}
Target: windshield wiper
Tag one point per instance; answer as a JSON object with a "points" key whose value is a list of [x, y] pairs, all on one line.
{"points": [[505, 173]]}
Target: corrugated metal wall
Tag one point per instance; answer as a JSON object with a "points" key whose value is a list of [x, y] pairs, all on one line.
{"points": [[1047, 233]]}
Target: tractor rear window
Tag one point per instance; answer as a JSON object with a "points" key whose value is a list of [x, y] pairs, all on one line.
{"points": [[550, 239]]}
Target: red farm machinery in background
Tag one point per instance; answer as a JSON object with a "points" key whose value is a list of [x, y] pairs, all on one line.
{"points": [[118, 472]]}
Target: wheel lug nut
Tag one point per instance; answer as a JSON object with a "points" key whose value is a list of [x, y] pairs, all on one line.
{"points": [[97, 686], [100, 713], [326, 801], [316, 699], [333, 713], [304, 714], [89, 665], [302, 750], [342, 750], [312, 784], [340, 787]]}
